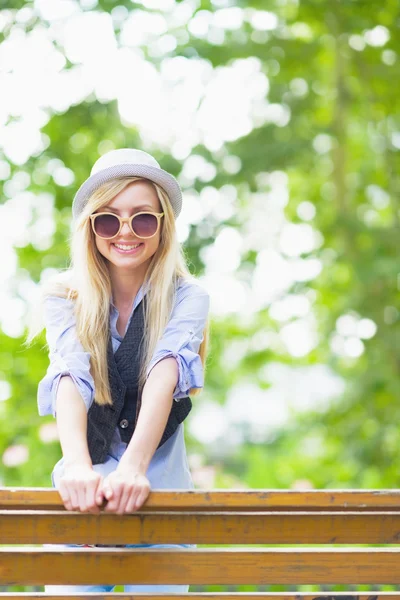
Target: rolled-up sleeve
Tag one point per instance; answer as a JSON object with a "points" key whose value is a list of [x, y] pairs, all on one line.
{"points": [[183, 336], [66, 355]]}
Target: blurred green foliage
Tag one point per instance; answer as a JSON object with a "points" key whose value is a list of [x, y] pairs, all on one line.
{"points": [[351, 97]]}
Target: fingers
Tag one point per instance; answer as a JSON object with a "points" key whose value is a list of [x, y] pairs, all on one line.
{"points": [[80, 491], [142, 497], [136, 499], [99, 492], [107, 489], [69, 495], [130, 504], [127, 492], [94, 496], [125, 496], [120, 493], [81, 496], [85, 490], [113, 490], [65, 495]]}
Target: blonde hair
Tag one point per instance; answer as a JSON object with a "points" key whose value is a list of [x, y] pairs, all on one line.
{"points": [[88, 284]]}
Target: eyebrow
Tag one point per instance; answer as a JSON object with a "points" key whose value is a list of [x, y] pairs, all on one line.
{"points": [[136, 208]]}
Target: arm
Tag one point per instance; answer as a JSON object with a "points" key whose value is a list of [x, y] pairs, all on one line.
{"points": [[66, 392], [72, 417], [183, 336], [67, 357], [80, 486], [153, 415], [127, 488]]}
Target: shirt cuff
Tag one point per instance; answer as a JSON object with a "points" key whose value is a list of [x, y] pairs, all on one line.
{"points": [[190, 371], [48, 386]]}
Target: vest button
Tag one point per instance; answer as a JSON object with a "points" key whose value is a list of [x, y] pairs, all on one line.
{"points": [[124, 423]]}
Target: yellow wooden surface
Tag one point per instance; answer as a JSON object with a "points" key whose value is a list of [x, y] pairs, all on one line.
{"points": [[17, 498], [36, 566], [30, 527]]}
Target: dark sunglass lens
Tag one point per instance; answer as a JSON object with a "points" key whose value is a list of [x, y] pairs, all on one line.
{"points": [[144, 225], [106, 226]]}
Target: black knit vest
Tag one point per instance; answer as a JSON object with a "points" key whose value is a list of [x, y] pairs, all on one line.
{"points": [[123, 375]]}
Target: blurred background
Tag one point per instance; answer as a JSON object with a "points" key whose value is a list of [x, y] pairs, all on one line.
{"points": [[280, 119]]}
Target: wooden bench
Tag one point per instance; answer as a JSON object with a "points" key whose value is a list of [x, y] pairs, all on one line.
{"points": [[245, 518]]}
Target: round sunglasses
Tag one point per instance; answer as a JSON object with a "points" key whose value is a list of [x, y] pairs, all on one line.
{"points": [[143, 225]]}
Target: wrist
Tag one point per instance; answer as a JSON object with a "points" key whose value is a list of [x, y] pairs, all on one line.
{"points": [[72, 462], [132, 465]]}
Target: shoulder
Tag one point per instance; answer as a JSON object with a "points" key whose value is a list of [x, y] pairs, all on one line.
{"points": [[60, 285], [58, 303], [58, 311], [191, 300], [190, 288]]}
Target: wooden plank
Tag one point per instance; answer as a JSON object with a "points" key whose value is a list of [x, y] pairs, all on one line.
{"points": [[209, 596], [38, 527], [36, 566], [46, 498]]}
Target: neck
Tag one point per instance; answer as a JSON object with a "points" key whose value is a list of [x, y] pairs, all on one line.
{"points": [[125, 285]]}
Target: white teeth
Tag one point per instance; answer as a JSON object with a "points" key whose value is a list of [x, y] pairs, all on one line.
{"points": [[122, 247]]}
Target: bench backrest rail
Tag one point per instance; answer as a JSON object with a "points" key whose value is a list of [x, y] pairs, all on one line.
{"points": [[236, 500], [41, 527], [203, 566]]}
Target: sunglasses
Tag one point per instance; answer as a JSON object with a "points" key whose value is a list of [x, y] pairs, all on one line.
{"points": [[143, 224]]}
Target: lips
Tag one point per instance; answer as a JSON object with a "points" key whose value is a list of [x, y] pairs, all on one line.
{"points": [[127, 248]]}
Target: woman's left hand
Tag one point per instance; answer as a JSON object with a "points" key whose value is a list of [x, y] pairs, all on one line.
{"points": [[125, 490]]}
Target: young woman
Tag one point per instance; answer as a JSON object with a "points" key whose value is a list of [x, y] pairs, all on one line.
{"points": [[126, 327]]}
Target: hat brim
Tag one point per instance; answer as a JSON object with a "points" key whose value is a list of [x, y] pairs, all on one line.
{"points": [[168, 183]]}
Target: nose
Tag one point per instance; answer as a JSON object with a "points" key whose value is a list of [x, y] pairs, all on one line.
{"points": [[126, 234], [125, 229]]}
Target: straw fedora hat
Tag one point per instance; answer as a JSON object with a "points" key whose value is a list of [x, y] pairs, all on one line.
{"points": [[127, 162]]}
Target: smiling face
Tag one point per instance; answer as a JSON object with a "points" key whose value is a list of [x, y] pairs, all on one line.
{"points": [[126, 252]]}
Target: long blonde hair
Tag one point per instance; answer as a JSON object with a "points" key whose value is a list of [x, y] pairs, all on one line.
{"points": [[88, 284]]}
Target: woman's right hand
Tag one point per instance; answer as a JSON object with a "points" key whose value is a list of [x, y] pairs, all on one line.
{"points": [[80, 488]]}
